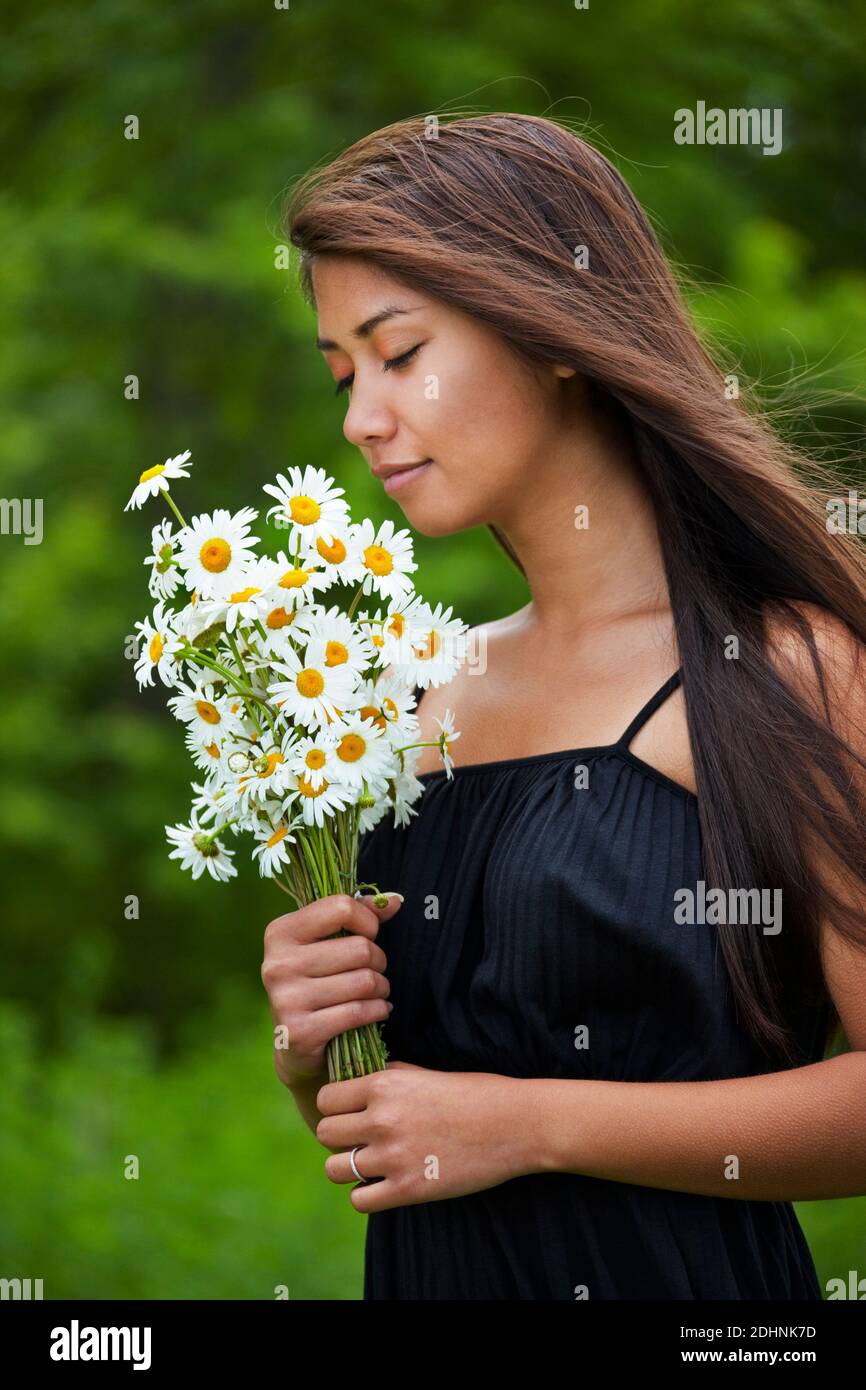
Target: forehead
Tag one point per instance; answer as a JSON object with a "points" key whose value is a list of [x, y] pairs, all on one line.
{"points": [[351, 294], [341, 283]]}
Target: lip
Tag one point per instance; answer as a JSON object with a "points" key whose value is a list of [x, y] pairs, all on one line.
{"points": [[397, 476], [385, 470]]}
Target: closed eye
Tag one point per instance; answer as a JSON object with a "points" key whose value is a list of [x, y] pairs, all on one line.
{"points": [[387, 366]]}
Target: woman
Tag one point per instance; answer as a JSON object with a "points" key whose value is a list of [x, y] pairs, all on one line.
{"points": [[679, 708]]}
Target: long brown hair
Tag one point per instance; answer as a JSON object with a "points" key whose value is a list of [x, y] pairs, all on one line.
{"points": [[488, 213]]}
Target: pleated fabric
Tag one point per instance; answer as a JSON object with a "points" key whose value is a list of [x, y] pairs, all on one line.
{"points": [[539, 902]]}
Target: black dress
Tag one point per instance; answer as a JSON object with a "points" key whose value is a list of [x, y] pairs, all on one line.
{"points": [[539, 897]]}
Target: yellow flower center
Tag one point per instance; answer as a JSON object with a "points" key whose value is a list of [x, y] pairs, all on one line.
{"points": [[156, 647], [310, 683], [351, 747], [294, 579], [335, 554], [306, 788], [397, 624], [243, 594], [208, 712], [215, 554], [335, 654], [304, 510], [377, 640], [278, 617], [277, 836], [315, 758], [152, 473], [212, 749], [431, 647], [378, 559], [371, 712], [388, 704], [273, 758]]}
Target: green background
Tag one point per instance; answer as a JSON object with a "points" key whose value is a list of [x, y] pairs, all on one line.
{"points": [[157, 257]]}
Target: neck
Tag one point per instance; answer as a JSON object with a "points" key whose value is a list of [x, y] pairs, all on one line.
{"points": [[589, 543]]}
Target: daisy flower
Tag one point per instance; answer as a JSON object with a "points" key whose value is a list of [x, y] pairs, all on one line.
{"points": [[272, 851], [246, 602], [300, 582], [209, 757], [407, 788], [362, 753], [154, 480], [315, 758], [384, 561], [164, 576], [211, 799], [209, 714], [159, 645], [307, 503], [194, 619], [446, 738], [313, 692], [431, 649], [261, 770], [403, 789], [282, 624], [343, 643], [390, 706], [316, 803], [338, 555], [215, 549], [198, 849], [385, 631]]}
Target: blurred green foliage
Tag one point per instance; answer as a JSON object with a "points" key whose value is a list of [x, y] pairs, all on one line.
{"points": [[156, 257]]}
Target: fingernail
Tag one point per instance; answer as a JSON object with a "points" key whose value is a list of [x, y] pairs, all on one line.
{"points": [[390, 1006], [395, 895]]}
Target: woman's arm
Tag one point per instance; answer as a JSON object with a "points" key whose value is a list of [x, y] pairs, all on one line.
{"points": [[797, 1135]]}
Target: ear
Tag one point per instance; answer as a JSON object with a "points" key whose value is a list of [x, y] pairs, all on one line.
{"points": [[564, 371]]}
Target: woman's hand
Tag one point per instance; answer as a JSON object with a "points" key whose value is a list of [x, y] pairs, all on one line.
{"points": [[427, 1134], [320, 984]]}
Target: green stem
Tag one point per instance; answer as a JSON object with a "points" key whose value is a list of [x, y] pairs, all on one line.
{"points": [[216, 833], [193, 654], [237, 656], [355, 601], [170, 500]]}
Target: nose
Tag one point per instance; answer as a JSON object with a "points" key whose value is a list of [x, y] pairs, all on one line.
{"points": [[368, 419]]}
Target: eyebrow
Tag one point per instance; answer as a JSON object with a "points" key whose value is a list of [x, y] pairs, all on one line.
{"points": [[366, 328]]}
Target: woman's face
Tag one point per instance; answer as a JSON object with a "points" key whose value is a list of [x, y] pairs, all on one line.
{"points": [[461, 398]]}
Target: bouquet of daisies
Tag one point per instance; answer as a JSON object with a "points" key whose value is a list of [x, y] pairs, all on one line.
{"points": [[298, 737]]}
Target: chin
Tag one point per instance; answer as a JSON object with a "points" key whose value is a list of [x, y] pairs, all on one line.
{"points": [[428, 522]]}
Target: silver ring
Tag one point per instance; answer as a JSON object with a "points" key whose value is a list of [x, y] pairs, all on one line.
{"points": [[359, 1176]]}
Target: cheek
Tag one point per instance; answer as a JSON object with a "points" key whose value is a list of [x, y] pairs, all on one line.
{"points": [[494, 418]]}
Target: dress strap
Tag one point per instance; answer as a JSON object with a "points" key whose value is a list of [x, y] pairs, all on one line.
{"points": [[650, 708]]}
